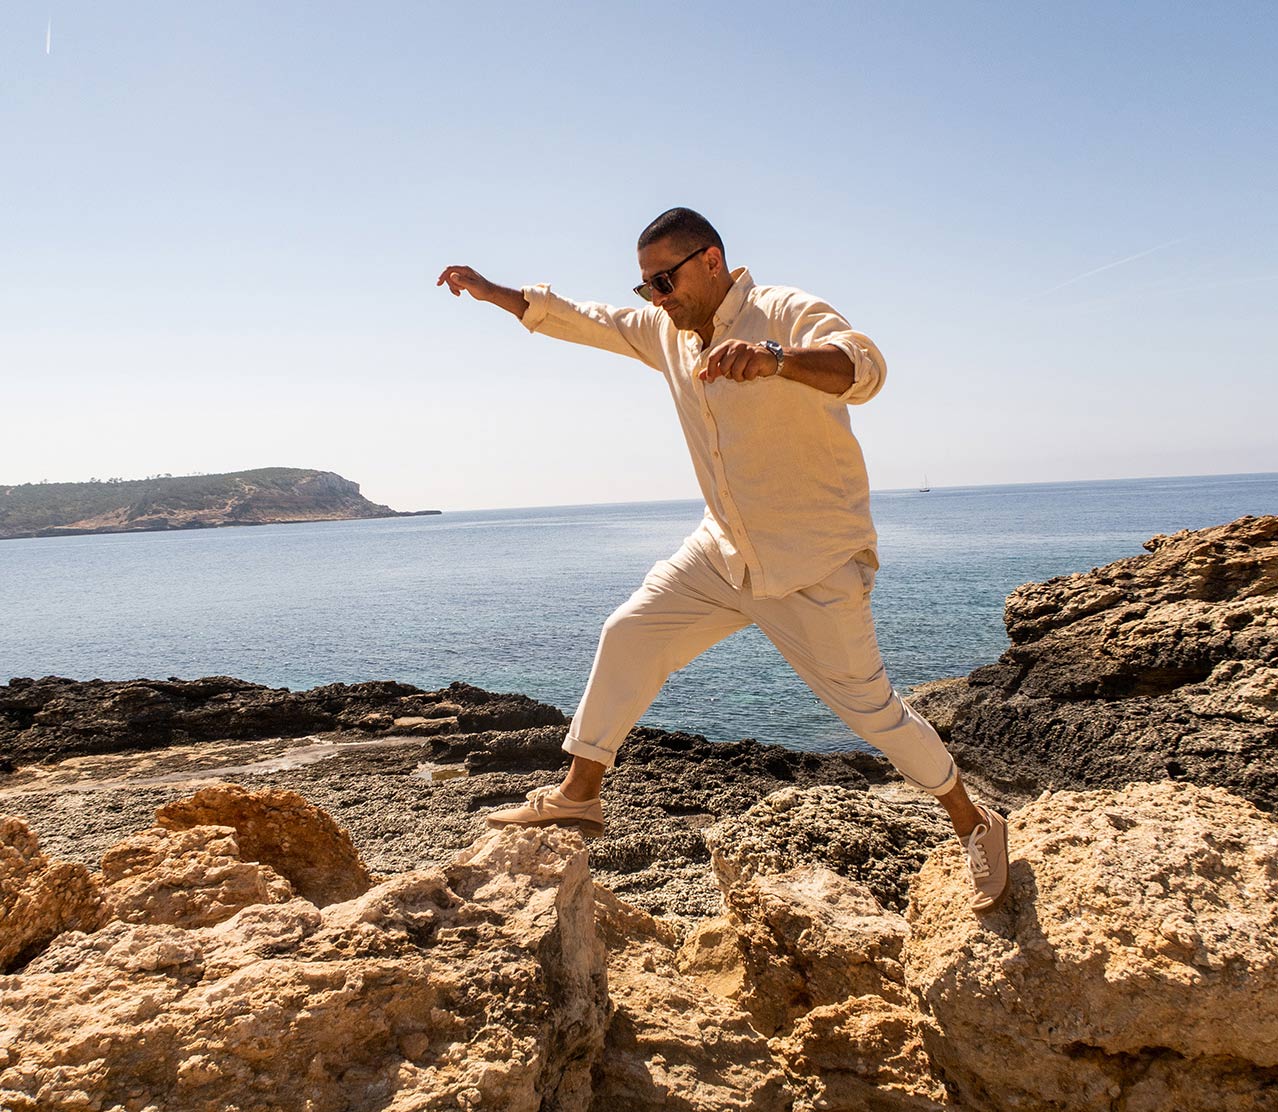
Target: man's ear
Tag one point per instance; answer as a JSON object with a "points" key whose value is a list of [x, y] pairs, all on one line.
{"points": [[717, 261]]}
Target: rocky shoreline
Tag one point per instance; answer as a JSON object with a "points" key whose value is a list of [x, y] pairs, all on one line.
{"points": [[759, 928], [1154, 667], [409, 773]]}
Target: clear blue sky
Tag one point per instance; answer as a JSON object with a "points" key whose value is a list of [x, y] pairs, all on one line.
{"points": [[220, 227]]}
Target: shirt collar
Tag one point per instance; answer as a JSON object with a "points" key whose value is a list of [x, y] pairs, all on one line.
{"points": [[734, 299]]}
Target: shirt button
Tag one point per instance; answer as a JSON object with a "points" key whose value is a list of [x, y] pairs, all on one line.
{"points": [[716, 454]]}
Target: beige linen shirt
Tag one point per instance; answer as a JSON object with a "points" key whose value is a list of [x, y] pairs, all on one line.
{"points": [[787, 495]]}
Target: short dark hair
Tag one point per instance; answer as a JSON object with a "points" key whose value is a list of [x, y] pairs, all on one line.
{"points": [[688, 229]]}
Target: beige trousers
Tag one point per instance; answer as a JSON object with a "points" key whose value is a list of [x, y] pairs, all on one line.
{"points": [[825, 631]]}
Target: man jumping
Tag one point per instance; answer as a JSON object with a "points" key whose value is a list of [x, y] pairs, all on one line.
{"points": [[761, 378]]}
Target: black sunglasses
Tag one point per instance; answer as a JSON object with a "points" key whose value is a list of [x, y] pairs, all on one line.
{"points": [[661, 280]]}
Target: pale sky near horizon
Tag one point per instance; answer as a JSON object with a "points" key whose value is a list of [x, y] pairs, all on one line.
{"points": [[220, 227]]}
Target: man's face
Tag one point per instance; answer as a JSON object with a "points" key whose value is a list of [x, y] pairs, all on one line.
{"points": [[695, 296]]}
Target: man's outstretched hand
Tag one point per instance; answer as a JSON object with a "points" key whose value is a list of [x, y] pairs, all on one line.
{"points": [[458, 278], [467, 278]]}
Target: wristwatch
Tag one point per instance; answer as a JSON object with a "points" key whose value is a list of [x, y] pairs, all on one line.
{"points": [[776, 350]]}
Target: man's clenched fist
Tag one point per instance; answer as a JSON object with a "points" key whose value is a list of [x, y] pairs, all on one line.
{"points": [[739, 361]]}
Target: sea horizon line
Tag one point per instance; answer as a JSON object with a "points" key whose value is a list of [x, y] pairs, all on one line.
{"points": [[932, 488]]}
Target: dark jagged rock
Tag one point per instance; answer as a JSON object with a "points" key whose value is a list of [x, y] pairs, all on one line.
{"points": [[482, 710], [56, 717], [1151, 668]]}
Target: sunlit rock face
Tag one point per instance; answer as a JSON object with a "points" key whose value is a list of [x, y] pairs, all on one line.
{"points": [[480, 985], [283, 831], [39, 898], [1134, 964]]}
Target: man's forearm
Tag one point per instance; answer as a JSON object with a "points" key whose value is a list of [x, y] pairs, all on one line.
{"points": [[826, 368], [467, 279], [513, 301]]}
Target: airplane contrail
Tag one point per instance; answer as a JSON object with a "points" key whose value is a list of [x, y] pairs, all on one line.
{"points": [[1107, 266], [1165, 287]]}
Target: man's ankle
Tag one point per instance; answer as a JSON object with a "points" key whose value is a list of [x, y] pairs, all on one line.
{"points": [[575, 794]]}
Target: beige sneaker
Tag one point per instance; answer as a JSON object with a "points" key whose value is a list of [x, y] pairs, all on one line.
{"points": [[550, 807], [987, 860]]}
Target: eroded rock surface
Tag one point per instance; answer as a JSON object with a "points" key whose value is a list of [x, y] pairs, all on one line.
{"points": [[39, 899], [283, 831], [672, 1044], [379, 779], [795, 1000], [480, 985], [185, 878], [1154, 667], [1134, 965], [879, 842], [815, 961]]}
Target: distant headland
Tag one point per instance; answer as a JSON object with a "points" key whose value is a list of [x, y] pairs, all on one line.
{"points": [[265, 496]]}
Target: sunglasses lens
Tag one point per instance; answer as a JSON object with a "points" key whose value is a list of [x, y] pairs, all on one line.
{"points": [[662, 284], [644, 291]]}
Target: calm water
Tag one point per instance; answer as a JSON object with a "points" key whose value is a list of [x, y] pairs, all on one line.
{"points": [[513, 600]]}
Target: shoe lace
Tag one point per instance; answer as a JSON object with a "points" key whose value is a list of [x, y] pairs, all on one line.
{"points": [[977, 863], [537, 797]]}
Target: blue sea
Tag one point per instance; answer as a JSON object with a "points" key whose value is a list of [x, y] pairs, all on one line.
{"points": [[512, 600]]}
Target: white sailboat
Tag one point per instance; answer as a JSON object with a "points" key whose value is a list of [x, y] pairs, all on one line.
{"points": [[924, 488]]}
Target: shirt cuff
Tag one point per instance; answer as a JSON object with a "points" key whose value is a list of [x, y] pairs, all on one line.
{"points": [[867, 368], [538, 298]]}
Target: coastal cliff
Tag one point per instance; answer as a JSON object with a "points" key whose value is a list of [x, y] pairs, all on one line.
{"points": [[218, 895], [269, 495]]}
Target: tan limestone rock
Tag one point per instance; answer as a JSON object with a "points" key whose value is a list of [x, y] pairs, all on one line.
{"points": [[713, 954], [671, 1044], [861, 1055], [1134, 965], [480, 985], [280, 829], [814, 959], [186, 878], [39, 899], [808, 938]]}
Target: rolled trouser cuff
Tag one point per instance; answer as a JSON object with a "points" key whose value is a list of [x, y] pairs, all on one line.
{"points": [[579, 748], [943, 788]]}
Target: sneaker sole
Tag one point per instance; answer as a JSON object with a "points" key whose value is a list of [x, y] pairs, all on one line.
{"points": [[588, 828], [994, 904]]}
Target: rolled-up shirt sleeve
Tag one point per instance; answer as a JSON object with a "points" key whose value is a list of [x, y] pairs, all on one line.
{"points": [[870, 368], [625, 331], [817, 324]]}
